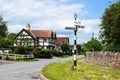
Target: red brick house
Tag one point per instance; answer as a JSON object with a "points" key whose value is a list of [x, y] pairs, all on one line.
{"points": [[60, 41]]}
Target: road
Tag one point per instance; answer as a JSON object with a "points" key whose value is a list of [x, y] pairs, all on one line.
{"points": [[27, 70]]}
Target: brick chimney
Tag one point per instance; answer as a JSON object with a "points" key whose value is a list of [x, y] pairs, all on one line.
{"points": [[28, 26]]}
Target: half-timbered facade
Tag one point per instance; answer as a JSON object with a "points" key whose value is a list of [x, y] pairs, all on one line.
{"points": [[35, 38]]}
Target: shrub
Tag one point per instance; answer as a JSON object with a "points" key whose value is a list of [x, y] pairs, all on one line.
{"points": [[55, 53], [35, 50], [44, 53], [20, 50], [93, 45], [3, 49], [12, 58], [29, 50], [18, 59], [62, 53], [112, 47], [65, 47]]}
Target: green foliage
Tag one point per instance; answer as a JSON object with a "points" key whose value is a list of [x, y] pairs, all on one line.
{"points": [[20, 50], [11, 36], [93, 45], [65, 48], [43, 53], [54, 52], [21, 59], [109, 47], [112, 47], [29, 50], [80, 49], [63, 53], [5, 42], [3, 27], [46, 53], [35, 50], [3, 49], [60, 53], [110, 27]]}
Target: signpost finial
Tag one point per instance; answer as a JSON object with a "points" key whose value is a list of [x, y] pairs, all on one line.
{"points": [[75, 16]]}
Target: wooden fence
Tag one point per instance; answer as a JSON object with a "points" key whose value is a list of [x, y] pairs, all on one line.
{"points": [[26, 56], [21, 55]]}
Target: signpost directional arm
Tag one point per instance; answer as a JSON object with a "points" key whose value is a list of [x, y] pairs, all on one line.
{"points": [[78, 26], [69, 28]]}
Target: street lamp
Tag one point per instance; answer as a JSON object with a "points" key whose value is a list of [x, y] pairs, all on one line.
{"points": [[75, 29]]}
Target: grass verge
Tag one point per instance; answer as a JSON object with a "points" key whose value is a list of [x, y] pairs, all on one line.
{"points": [[64, 71], [29, 60]]}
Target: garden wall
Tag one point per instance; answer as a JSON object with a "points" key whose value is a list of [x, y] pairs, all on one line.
{"points": [[106, 59]]}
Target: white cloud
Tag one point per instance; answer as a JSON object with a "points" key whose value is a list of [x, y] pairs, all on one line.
{"points": [[15, 28], [61, 35], [91, 25], [36, 12], [45, 14]]}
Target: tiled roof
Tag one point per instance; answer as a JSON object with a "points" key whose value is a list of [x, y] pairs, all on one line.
{"points": [[62, 40], [42, 33]]}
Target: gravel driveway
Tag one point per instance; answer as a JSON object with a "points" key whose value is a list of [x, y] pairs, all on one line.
{"points": [[27, 70]]}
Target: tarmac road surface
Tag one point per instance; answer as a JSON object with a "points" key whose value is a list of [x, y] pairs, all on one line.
{"points": [[27, 70]]}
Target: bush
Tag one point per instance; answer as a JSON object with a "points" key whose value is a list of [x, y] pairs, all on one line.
{"points": [[13, 58], [20, 50], [55, 53], [61, 53], [44, 53], [35, 50], [112, 47], [20, 59], [29, 50], [93, 45], [109, 47], [3, 49]]}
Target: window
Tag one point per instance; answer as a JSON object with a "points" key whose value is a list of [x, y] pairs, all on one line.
{"points": [[45, 39]]}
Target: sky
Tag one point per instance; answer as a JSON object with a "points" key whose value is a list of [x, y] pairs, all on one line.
{"points": [[55, 15]]}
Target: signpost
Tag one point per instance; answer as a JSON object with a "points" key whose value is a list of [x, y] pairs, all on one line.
{"points": [[75, 29]]}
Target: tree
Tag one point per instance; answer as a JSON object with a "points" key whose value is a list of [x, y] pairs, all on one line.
{"points": [[79, 47], [65, 48], [6, 42], [110, 27], [3, 27], [20, 50], [93, 45], [11, 36]]}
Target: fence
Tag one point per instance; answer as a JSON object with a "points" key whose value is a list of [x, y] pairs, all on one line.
{"points": [[17, 56], [0, 54], [106, 59], [20, 55]]}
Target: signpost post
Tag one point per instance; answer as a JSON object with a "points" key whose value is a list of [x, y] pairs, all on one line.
{"points": [[75, 29]]}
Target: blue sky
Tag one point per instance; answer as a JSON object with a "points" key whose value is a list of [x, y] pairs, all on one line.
{"points": [[55, 15]]}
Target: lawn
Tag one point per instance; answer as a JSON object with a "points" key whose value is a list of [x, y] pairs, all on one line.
{"points": [[64, 71]]}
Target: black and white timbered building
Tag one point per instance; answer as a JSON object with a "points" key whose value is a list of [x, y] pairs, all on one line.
{"points": [[35, 38]]}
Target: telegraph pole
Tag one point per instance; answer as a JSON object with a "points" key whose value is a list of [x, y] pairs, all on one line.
{"points": [[75, 29]]}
